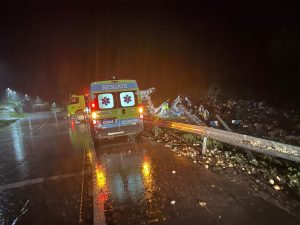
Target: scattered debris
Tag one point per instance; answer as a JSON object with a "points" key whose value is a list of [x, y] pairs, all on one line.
{"points": [[234, 164], [276, 187], [202, 204], [236, 122]]}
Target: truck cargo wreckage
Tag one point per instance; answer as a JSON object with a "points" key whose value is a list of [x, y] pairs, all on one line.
{"points": [[197, 118], [181, 106]]}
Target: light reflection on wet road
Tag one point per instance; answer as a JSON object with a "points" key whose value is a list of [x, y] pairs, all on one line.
{"points": [[52, 163], [39, 164]]}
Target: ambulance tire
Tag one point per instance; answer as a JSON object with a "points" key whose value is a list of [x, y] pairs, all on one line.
{"points": [[93, 134], [96, 143]]}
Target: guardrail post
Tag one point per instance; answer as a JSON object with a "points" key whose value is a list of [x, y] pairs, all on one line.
{"points": [[155, 130], [156, 127], [204, 145]]}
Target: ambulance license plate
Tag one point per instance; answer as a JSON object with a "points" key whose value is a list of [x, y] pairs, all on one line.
{"points": [[108, 121]]}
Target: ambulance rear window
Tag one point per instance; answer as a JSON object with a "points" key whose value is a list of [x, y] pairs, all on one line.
{"points": [[127, 99], [106, 101], [74, 100]]}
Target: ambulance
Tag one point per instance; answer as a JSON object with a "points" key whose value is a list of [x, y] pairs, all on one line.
{"points": [[116, 109]]}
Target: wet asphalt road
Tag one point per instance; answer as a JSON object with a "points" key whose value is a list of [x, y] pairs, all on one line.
{"points": [[51, 173]]}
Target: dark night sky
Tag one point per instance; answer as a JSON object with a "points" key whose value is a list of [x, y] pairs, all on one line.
{"points": [[249, 48]]}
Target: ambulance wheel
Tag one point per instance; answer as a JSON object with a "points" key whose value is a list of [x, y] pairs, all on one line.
{"points": [[97, 142], [94, 138]]}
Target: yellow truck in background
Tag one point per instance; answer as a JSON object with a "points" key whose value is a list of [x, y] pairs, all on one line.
{"points": [[77, 107]]}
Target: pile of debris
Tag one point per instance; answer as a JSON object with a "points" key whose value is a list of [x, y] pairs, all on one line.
{"points": [[255, 118], [242, 116]]}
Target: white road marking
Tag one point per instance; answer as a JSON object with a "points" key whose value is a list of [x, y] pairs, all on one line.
{"points": [[23, 211], [44, 124], [99, 217], [35, 181], [82, 187]]}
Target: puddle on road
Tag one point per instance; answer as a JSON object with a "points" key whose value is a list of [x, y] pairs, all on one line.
{"points": [[126, 185]]}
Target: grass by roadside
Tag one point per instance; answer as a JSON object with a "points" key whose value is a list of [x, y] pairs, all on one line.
{"points": [[7, 116], [4, 123], [18, 115]]}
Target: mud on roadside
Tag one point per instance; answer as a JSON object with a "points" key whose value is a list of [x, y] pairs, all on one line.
{"points": [[275, 180]]}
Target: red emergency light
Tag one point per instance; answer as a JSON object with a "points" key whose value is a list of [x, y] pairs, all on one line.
{"points": [[94, 105]]}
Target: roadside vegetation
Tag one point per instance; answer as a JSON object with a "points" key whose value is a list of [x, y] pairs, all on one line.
{"points": [[4, 123], [10, 113], [18, 115]]}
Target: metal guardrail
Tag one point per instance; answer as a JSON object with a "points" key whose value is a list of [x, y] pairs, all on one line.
{"points": [[260, 145]]}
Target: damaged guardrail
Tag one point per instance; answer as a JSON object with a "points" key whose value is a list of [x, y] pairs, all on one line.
{"points": [[259, 145]]}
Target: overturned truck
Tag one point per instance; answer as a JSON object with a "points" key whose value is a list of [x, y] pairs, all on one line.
{"points": [[182, 106]]}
